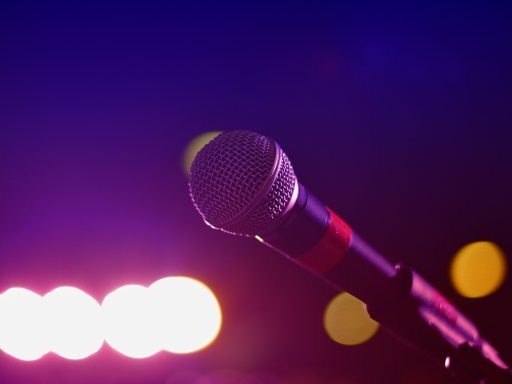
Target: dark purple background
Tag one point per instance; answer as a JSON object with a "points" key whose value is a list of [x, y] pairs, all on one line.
{"points": [[396, 115]]}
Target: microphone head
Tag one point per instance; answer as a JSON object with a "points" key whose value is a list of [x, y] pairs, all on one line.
{"points": [[242, 183]]}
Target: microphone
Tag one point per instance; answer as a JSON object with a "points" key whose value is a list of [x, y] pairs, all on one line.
{"points": [[243, 183]]}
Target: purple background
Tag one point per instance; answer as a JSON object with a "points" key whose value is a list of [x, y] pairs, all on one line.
{"points": [[398, 116]]}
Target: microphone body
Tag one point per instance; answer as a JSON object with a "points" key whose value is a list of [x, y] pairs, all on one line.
{"points": [[314, 237], [243, 183]]}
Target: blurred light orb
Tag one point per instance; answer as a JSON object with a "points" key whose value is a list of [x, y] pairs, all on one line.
{"points": [[22, 333], [176, 314], [195, 145], [129, 322], [187, 313], [347, 321], [73, 323], [478, 269]]}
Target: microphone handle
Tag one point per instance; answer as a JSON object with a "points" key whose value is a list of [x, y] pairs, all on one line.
{"points": [[317, 239]]}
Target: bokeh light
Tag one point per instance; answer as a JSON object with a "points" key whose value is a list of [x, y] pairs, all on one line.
{"points": [[194, 146], [478, 269], [129, 322], [175, 314], [347, 321], [73, 323], [188, 316], [22, 325]]}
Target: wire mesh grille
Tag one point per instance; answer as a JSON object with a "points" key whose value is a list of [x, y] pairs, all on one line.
{"points": [[229, 176]]}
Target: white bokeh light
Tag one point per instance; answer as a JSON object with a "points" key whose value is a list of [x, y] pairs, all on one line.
{"points": [[187, 314], [128, 320], [175, 314], [73, 323], [22, 325]]}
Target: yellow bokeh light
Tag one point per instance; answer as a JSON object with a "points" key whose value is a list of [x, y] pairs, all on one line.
{"points": [[478, 269], [195, 145], [347, 321]]}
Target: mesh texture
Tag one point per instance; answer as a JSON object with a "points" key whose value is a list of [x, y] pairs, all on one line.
{"points": [[229, 179]]}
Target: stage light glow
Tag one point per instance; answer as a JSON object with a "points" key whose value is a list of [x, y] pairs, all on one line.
{"points": [[129, 322], [195, 145], [176, 314], [478, 269], [73, 323], [347, 321], [22, 333], [188, 314]]}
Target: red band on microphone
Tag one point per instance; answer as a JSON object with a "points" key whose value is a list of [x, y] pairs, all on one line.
{"points": [[329, 251]]}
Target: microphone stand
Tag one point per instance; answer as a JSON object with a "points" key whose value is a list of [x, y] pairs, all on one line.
{"points": [[413, 319]]}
